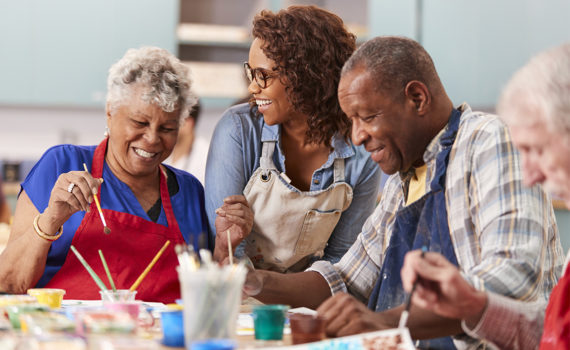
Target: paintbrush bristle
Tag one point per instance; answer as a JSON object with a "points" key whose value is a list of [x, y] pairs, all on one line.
{"points": [[106, 230]]}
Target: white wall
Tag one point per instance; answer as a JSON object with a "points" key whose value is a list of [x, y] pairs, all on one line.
{"points": [[26, 132]]}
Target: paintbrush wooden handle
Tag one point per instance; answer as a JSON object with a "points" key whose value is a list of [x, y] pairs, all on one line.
{"points": [[145, 272]]}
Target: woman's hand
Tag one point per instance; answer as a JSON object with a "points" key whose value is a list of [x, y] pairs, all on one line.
{"points": [[253, 283], [236, 216], [17, 274], [72, 192]]}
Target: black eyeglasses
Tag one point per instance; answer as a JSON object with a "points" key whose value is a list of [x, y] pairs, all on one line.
{"points": [[260, 75]]}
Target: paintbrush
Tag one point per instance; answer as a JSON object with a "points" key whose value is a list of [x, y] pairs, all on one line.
{"points": [[106, 229], [187, 259], [96, 278], [230, 250], [107, 271], [150, 265], [406, 312]]}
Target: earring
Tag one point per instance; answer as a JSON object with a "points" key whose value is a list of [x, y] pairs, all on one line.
{"points": [[106, 133]]}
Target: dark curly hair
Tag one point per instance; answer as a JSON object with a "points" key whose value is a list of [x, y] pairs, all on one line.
{"points": [[309, 46]]}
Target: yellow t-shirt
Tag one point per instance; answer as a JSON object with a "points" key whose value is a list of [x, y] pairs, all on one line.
{"points": [[417, 186]]}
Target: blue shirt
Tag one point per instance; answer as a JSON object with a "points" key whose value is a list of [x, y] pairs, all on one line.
{"points": [[235, 150], [187, 203]]}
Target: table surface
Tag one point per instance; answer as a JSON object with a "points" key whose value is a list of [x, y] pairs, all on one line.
{"points": [[247, 342]]}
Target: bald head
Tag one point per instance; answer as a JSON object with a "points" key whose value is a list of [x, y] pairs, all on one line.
{"points": [[393, 62]]}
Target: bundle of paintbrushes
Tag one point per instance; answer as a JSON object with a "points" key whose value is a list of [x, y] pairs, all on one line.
{"points": [[211, 295], [187, 258]]}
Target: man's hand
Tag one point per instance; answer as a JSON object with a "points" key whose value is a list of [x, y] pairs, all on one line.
{"points": [[344, 315], [236, 216], [441, 288]]}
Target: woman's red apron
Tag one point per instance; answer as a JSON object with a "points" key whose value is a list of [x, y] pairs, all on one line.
{"points": [[556, 334], [128, 249]]}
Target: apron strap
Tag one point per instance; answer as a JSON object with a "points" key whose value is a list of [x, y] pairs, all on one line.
{"points": [[266, 159], [339, 170]]}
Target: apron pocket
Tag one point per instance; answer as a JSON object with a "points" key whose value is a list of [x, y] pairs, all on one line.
{"points": [[316, 231]]}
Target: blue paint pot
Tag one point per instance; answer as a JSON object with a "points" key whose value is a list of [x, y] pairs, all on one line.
{"points": [[213, 344], [172, 322]]}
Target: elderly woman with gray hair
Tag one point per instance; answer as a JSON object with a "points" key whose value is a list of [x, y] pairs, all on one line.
{"points": [[144, 203]]}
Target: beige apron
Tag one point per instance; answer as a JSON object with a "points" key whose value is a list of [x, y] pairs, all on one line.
{"points": [[290, 226]]}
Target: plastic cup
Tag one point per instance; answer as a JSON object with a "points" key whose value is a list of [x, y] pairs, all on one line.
{"points": [[268, 321], [51, 297], [118, 295], [172, 323], [130, 307], [212, 297], [306, 328]]}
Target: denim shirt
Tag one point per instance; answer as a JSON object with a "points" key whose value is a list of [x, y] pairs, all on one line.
{"points": [[235, 150]]}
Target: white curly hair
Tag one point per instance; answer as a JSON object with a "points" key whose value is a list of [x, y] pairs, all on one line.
{"points": [[540, 89], [166, 80]]}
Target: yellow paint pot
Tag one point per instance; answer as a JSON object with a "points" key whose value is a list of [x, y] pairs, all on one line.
{"points": [[174, 307], [51, 297]]}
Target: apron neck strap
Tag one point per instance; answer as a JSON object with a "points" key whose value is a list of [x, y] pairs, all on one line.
{"points": [[446, 141], [339, 170], [166, 204], [99, 159], [97, 172], [266, 159]]}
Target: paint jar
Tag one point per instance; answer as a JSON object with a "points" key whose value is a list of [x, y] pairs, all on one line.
{"points": [[172, 323], [118, 295], [306, 328], [268, 321], [51, 297]]}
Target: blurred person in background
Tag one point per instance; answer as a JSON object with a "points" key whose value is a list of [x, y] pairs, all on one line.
{"points": [[144, 202], [536, 107], [190, 152], [5, 211], [284, 164]]}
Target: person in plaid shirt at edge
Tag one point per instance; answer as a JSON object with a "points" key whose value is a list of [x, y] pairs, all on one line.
{"points": [[536, 107], [456, 188]]}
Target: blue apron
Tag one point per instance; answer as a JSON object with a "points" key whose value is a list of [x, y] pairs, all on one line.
{"points": [[422, 223]]}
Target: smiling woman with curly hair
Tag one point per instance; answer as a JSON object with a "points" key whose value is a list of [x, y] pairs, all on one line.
{"points": [[287, 184], [309, 47]]}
